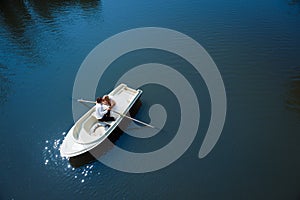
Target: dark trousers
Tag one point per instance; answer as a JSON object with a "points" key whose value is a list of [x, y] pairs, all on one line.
{"points": [[106, 117]]}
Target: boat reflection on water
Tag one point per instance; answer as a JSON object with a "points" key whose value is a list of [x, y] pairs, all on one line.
{"points": [[107, 144]]}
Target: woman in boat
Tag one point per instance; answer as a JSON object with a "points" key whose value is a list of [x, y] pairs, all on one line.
{"points": [[108, 101], [103, 111]]}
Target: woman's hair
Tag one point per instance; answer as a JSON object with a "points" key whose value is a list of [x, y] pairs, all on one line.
{"points": [[99, 100], [106, 98]]}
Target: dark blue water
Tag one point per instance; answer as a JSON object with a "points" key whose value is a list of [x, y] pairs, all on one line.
{"points": [[256, 47]]}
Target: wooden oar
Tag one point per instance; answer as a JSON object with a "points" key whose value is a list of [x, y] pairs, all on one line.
{"points": [[133, 119], [86, 101]]}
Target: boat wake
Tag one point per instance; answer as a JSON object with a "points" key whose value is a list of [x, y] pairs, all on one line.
{"points": [[61, 166]]}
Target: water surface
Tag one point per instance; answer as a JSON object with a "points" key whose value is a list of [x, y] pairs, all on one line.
{"points": [[255, 45]]}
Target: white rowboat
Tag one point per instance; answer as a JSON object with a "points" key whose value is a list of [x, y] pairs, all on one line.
{"points": [[87, 132]]}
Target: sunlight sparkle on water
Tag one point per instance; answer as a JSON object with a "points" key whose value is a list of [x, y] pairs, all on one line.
{"points": [[53, 160]]}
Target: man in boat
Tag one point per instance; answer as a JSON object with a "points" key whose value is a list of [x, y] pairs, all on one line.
{"points": [[103, 111]]}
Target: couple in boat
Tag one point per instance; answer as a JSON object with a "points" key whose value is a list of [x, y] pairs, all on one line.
{"points": [[103, 106]]}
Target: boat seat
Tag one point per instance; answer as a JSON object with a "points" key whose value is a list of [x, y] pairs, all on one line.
{"points": [[97, 129], [89, 123], [86, 125]]}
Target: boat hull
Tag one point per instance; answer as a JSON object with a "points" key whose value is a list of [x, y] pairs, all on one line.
{"points": [[96, 152], [86, 134]]}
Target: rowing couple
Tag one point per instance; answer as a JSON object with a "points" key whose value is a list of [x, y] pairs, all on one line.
{"points": [[103, 107]]}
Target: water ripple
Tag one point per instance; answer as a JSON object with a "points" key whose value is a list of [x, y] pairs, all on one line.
{"points": [[53, 161]]}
